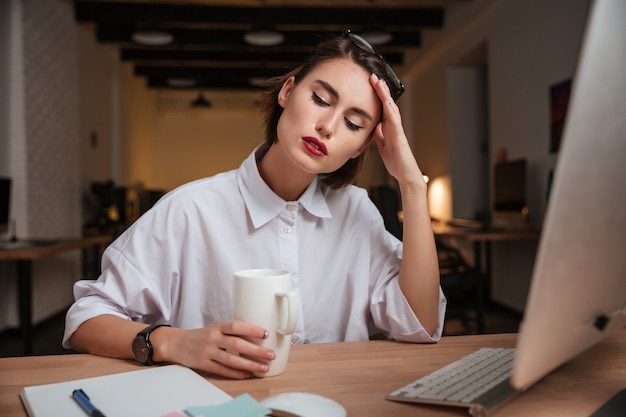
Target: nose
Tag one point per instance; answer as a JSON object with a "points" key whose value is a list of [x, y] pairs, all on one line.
{"points": [[323, 131], [325, 126]]}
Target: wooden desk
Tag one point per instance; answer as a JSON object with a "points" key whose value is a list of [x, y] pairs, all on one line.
{"points": [[359, 375], [24, 258], [481, 248], [490, 235]]}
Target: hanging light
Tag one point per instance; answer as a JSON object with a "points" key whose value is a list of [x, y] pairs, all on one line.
{"points": [[259, 81], [263, 32], [201, 102], [264, 37], [182, 82], [374, 31], [377, 36], [152, 35]]}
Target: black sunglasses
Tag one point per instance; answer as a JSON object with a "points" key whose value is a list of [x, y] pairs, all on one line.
{"points": [[364, 45]]}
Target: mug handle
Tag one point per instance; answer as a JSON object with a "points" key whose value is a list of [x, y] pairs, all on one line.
{"points": [[292, 313]]}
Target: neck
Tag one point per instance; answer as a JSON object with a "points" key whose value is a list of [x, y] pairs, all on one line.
{"points": [[279, 173]]}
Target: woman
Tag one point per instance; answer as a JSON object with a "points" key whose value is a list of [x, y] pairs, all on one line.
{"points": [[289, 205]]}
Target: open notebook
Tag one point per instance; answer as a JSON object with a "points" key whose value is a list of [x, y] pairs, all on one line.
{"points": [[150, 392], [578, 290]]}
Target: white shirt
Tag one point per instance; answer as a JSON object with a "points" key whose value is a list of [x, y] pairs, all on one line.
{"points": [[175, 264]]}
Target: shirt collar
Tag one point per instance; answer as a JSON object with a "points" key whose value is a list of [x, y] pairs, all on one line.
{"points": [[263, 204]]}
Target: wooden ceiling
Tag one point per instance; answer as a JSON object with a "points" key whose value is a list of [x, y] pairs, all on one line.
{"points": [[208, 51]]}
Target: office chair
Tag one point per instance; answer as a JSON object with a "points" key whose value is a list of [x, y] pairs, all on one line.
{"points": [[388, 202], [458, 282]]}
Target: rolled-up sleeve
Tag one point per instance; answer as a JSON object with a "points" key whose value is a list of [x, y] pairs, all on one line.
{"points": [[389, 307], [393, 313], [121, 290]]}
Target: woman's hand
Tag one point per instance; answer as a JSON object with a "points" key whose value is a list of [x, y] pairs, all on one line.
{"points": [[226, 349], [391, 140]]}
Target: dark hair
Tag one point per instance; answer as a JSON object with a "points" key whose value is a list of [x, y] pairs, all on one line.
{"points": [[336, 47]]}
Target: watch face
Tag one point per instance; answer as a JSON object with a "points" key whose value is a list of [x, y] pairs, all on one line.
{"points": [[140, 349]]}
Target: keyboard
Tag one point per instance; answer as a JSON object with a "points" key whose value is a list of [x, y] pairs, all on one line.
{"points": [[478, 381]]}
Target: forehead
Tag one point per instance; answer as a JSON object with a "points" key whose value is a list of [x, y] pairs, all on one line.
{"points": [[342, 69], [350, 80]]}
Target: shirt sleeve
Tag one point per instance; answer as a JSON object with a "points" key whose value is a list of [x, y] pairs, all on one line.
{"points": [[390, 309], [132, 284]]}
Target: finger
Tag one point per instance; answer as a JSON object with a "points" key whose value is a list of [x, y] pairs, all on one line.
{"points": [[242, 344], [243, 329], [391, 112], [379, 138], [233, 357], [248, 349], [242, 362], [381, 88], [217, 368]]}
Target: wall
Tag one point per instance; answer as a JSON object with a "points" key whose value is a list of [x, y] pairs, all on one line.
{"points": [[97, 79], [40, 116], [6, 270], [529, 47], [167, 143]]}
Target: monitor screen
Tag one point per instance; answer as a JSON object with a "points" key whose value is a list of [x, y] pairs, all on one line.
{"points": [[5, 194], [577, 296]]}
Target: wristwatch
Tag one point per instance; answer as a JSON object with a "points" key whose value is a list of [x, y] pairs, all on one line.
{"points": [[142, 347]]}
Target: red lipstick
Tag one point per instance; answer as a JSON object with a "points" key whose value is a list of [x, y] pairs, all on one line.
{"points": [[315, 146]]}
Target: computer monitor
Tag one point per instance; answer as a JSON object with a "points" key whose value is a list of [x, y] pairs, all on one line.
{"points": [[509, 188], [578, 291], [5, 202], [509, 195]]}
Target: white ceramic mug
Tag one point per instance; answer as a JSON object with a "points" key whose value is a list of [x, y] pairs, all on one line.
{"points": [[265, 297]]}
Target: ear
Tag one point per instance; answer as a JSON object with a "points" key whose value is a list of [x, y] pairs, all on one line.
{"points": [[285, 91]]}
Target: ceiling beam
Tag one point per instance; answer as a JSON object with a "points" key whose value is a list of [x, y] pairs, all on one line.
{"points": [[208, 46], [173, 14]]}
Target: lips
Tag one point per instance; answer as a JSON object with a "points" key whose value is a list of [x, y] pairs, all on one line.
{"points": [[314, 146]]}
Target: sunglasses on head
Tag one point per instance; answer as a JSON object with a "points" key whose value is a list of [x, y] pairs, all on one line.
{"points": [[364, 45]]}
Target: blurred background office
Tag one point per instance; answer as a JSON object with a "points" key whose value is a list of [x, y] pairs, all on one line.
{"points": [[90, 137]]}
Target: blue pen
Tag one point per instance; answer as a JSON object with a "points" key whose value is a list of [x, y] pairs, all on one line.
{"points": [[83, 400]]}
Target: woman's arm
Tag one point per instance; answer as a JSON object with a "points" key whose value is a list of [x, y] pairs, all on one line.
{"points": [[419, 272], [220, 348]]}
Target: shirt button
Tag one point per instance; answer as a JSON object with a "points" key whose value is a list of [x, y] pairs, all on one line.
{"points": [[294, 339], [287, 229], [291, 207]]}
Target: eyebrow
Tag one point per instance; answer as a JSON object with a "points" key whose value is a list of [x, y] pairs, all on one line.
{"points": [[335, 94]]}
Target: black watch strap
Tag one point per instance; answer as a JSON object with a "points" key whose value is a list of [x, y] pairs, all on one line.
{"points": [[142, 346]]}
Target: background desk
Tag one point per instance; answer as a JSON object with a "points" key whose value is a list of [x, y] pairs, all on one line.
{"points": [[24, 258], [360, 374], [481, 248]]}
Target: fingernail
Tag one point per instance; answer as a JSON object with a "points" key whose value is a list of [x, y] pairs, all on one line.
{"points": [[265, 368], [377, 76], [271, 356], [266, 335]]}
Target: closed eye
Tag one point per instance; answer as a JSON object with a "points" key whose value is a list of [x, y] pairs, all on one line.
{"points": [[317, 99], [352, 126]]}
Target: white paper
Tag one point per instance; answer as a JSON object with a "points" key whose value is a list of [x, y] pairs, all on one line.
{"points": [[149, 392]]}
